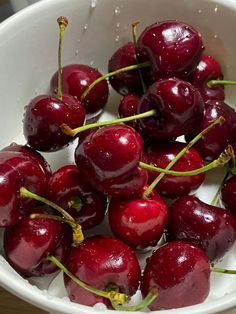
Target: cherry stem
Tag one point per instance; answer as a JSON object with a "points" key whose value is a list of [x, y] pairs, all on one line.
{"points": [[145, 303], [218, 121], [104, 77], [213, 83], [134, 35], [115, 296], [73, 132], [62, 22], [75, 203], [77, 230], [224, 157], [223, 271], [216, 196]]}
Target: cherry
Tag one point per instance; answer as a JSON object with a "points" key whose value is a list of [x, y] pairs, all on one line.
{"points": [[181, 274], [28, 244], [36, 156], [138, 222], [208, 69], [104, 263], [160, 155], [109, 155], [126, 82], [174, 49], [76, 78], [18, 169], [228, 194], [128, 107], [215, 141], [208, 227], [69, 190], [178, 107]]}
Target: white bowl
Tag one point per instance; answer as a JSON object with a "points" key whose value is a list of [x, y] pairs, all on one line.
{"points": [[28, 58], [18, 5]]}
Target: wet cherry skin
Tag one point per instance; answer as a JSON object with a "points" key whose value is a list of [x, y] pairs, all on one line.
{"points": [[28, 243], [109, 155], [17, 170], [102, 262], [208, 227], [67, 185], [179, 106], [128, 107], [181, 274], [43, 118], [208, 69], [174, 49], [76, 78], [125, 82], [138, 222], [160, 155], [228, 194]]}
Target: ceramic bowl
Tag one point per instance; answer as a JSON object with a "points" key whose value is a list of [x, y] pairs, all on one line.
{"points": [[28, 58]]}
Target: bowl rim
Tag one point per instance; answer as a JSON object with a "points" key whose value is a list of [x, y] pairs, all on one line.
{"points": [[36, 296]]}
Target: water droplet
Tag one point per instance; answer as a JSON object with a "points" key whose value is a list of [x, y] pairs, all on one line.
{"points": [[78, 40], [117, 11], [199, 11], [93, 4], [117, 25], [215, 36], [85, 27], [117, 38], [216, 9], [76, 52], [91, 63]]}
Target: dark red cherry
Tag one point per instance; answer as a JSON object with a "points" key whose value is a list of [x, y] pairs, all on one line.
{"points": [[43, 118], [18, 169], [31, 153], [28, 244], [160, 155], [174, 49], [125, 82], [138, 222], [178, 104], [76, 78], [109, 155], [103, 263], [128, 107], [208, 69], [208, 227], [68, 189], [180, 272], [228, 194], [214, 142]]}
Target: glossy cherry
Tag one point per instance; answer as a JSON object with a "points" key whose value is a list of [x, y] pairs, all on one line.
{"points": [[76, 78], [43, 118], [126, 82], [109, 155], [174, 49], [138, 222], [128, 107], [214, 142], [18, 169], [178, 104], [180, 272], [228, 194], [68, 189], [28, 244], [208, 69], [160, 155], [208, 227], [104, 263]]}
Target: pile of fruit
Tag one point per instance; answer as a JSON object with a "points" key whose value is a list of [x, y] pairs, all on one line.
{"points": [[128, 169]]}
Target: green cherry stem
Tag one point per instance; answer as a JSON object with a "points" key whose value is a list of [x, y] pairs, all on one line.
{"points": [[62, 22], [213, 83], [116, 298], [134, 35], [73, 132], [216, 196], [218, 121], [104, 77], [224, 157], [223, 271], [77, 230]]}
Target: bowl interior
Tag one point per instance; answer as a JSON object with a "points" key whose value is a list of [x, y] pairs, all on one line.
{"points": [[28, 58]]}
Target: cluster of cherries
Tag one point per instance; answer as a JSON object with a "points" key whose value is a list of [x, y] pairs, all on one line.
{"points": [[169, 88]]}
